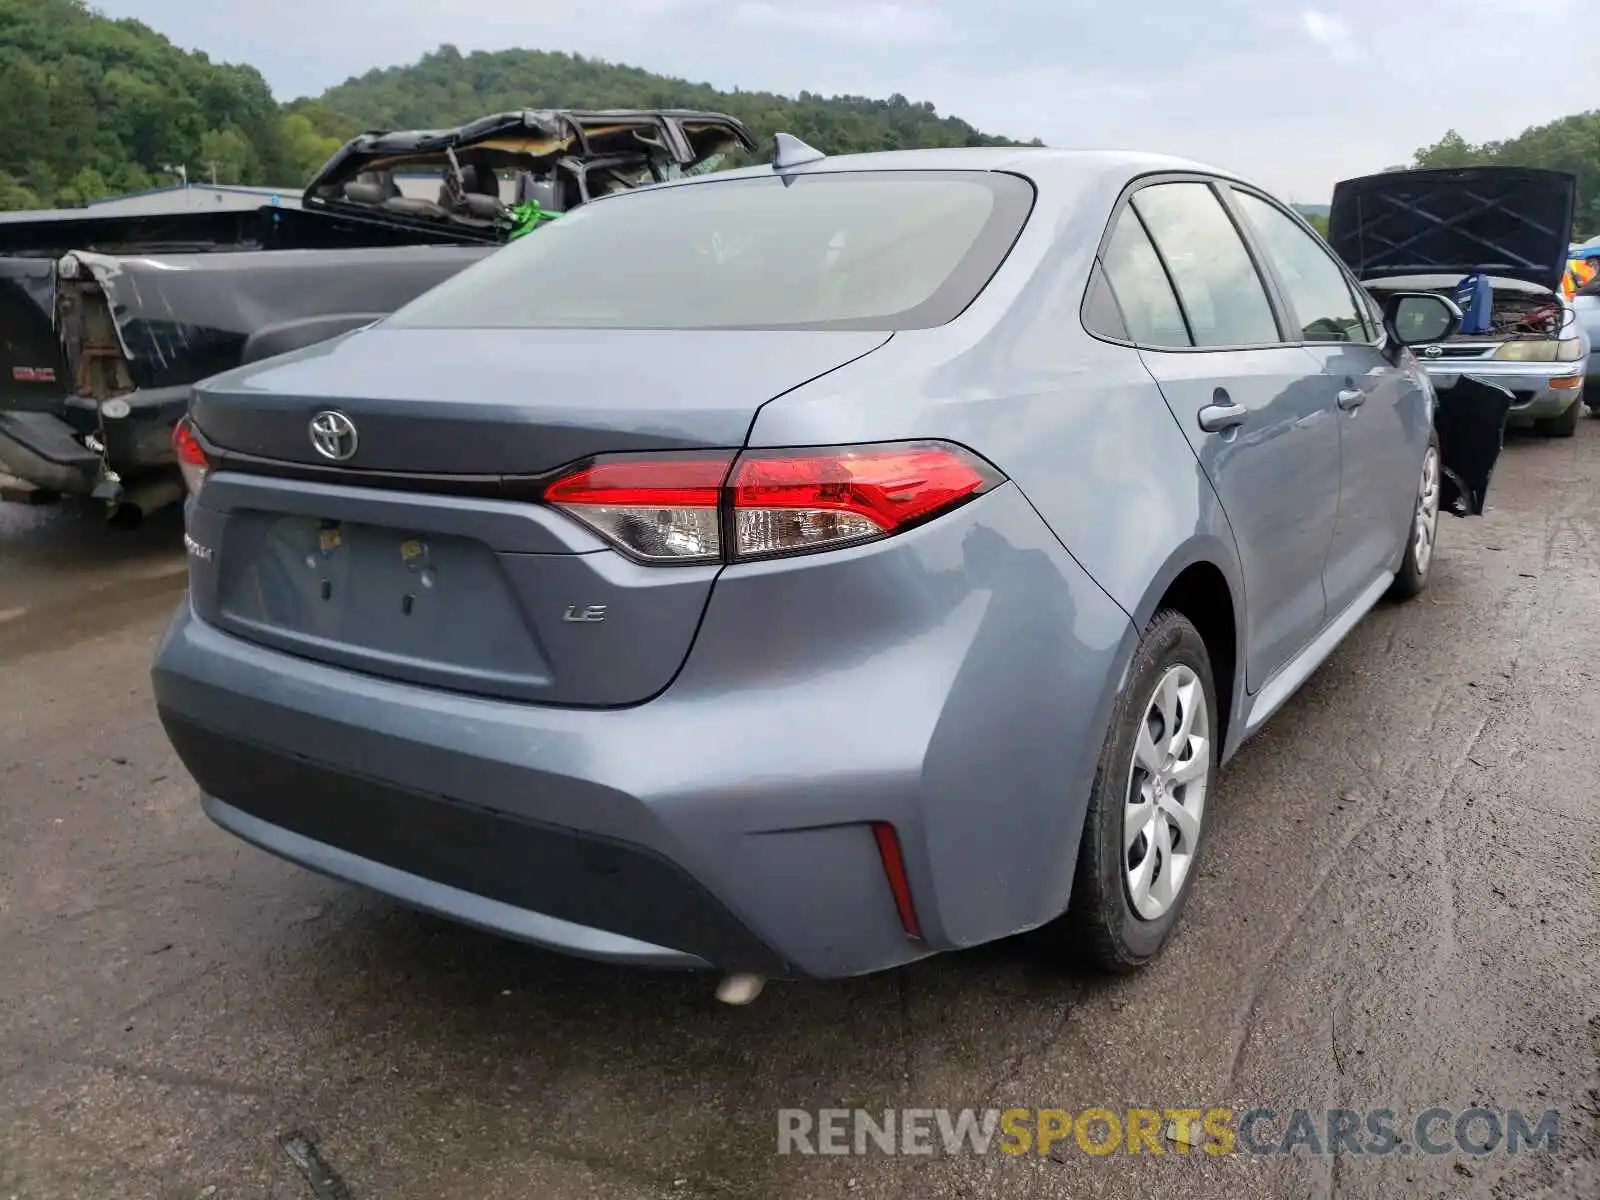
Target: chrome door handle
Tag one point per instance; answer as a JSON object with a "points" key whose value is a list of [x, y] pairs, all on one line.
{"points": [[1351, 398], [1214, 418]]}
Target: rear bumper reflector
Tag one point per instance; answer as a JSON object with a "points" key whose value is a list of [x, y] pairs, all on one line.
{"points": [[894, 868]]}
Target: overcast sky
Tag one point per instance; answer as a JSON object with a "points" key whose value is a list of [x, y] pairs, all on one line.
{"points": [[1296, 96]]}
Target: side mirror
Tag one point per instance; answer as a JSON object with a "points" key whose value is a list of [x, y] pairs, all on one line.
{"points": [[1420, 318]]}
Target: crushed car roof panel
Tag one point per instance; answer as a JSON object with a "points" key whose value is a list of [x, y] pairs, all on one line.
{"points": [[543, 131]]}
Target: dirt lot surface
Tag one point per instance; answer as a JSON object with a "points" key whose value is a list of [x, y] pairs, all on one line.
{"points": [[1401, 910]]}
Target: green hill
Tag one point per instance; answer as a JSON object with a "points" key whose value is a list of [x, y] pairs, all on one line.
{"points": [[91, 107], [448, 87]]}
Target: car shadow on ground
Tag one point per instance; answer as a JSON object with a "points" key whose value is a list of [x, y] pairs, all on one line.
{"points": [[76, 535], [66, 575], [636, 1067]]}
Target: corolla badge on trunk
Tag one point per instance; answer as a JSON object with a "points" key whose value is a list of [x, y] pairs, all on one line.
{"points": [[333, 435]]}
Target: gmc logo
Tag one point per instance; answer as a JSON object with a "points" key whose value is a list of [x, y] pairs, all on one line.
{"points": [[34, 374]]}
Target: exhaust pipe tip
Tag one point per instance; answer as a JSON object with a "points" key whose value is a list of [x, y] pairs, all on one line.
{"points": [[740, 989], [139, 501], [125, 518]]}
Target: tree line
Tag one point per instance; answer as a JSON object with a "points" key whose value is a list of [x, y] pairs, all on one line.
{"points": [[91, 107], [1569, 144]]}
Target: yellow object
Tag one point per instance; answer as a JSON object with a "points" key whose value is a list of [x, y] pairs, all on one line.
{"points": [[1580, 272]]}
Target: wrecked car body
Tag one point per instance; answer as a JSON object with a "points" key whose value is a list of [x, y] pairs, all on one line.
{"points": [[138, 332], [468, 179], [1493, 240], [109, 322]]}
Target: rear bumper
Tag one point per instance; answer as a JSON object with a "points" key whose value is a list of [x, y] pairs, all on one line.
{"points": [[509, 877], [726, 823], [47, 449], [42, 449]]}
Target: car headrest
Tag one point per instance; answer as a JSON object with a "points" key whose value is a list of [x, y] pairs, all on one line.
{"points": [[364, 193], [481, 206]]}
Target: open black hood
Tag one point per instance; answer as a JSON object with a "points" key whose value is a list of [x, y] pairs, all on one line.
{"points": [[1510, 222]]}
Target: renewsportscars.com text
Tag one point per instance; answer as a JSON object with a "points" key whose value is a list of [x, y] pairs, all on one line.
{"points": [[1100, 1131]]}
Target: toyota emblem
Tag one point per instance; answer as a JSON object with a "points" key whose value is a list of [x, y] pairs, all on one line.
{"points": [[1431, 352], [333, 435]]}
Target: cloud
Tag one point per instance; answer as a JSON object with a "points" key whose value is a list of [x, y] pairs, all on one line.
{"points": [[1329, 32], [869, 23]]}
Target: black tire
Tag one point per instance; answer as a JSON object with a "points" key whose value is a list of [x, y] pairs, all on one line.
{"points": [[1102, 925], [1564, 426], [1412, 576]]}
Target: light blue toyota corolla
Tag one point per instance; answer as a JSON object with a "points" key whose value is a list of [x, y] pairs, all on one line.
{"points": [[805, 569]]}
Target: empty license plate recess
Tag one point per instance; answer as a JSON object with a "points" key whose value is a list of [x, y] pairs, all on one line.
{"points": [[435, 609]]}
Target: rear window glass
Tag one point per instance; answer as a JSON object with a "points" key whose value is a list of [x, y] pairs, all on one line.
{"points": [[861, 250]]}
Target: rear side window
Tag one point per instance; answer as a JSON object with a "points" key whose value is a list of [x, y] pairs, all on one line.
{"points": [[1316, 287], [845, 250], [1142, 288], [1222, 294], [1100, 313]]}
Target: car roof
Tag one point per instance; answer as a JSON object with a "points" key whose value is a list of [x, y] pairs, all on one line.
{"points": [[1043, 164]]}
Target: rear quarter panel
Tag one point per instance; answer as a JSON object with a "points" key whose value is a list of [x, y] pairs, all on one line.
{"points": [[1098, 461], [1078, 424]]}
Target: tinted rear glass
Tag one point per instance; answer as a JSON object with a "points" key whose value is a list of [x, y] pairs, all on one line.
{"points": [[847, 250]]}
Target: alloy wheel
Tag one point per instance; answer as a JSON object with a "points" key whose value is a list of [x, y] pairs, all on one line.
{"points": [[1166, 795], [1426, 523]]}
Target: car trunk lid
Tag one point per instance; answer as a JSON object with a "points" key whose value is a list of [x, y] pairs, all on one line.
{"points": [[1508, 222], [423, 557], [493, 402]]}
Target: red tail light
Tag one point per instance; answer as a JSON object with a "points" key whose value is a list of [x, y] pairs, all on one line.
{"points": [[674, 508], [191, 458], [660, 509], [807, 500]]}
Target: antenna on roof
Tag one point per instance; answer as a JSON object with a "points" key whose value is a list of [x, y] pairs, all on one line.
{"points": [[789, 151]]}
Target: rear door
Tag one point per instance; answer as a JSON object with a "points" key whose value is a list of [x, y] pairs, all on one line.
{"points": [[1382, 414], [1253, 405]]}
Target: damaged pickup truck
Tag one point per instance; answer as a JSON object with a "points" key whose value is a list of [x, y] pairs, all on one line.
{"points": [[106, 323]]}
